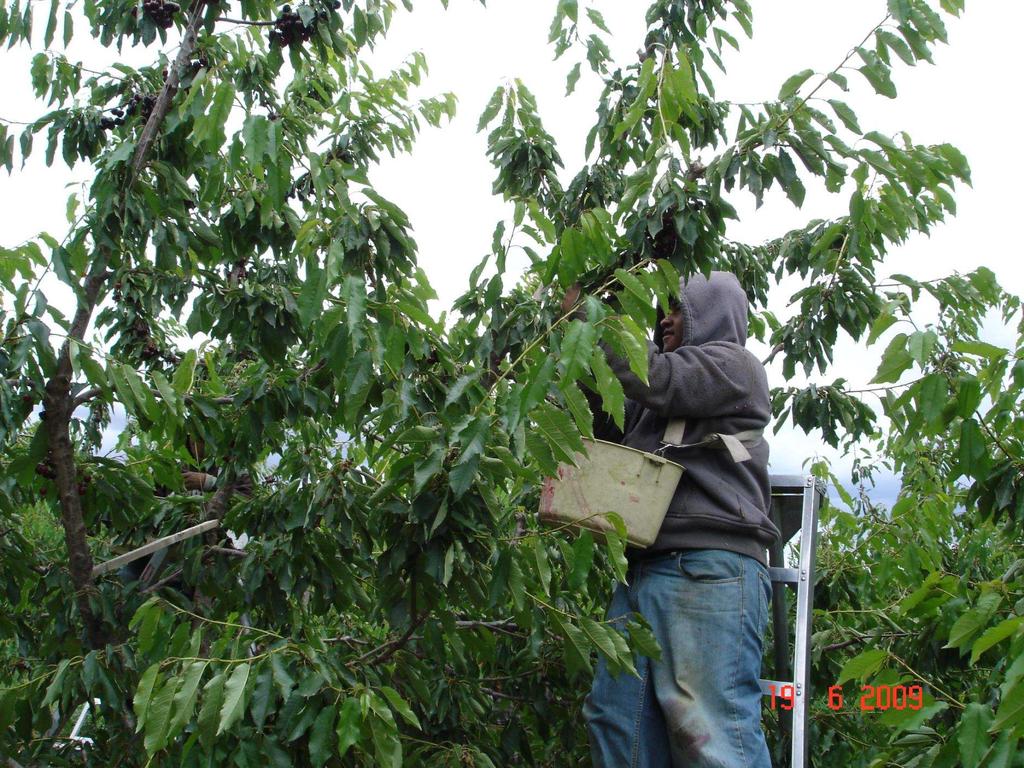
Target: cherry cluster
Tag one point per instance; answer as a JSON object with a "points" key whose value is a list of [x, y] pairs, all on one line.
{"points": [[161, 12], [289, 29], [667, 238], [106, 123], [46, 469], [196, 64], [141, 103]]}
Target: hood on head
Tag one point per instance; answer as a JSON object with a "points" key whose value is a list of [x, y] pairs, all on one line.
{"points": [[714, 309]]}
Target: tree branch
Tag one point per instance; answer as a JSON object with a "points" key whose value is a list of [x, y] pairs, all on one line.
{"points": [[163, 100], [218, 505]]}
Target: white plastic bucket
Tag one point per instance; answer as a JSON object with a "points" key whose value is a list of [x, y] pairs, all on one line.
{"points": [[638, 486]]}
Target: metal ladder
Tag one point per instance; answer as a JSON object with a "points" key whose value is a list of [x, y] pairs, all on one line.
{"points": [[794, 509]]}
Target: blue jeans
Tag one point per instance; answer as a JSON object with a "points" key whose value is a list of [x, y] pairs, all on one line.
{"points": [[700, 705]]}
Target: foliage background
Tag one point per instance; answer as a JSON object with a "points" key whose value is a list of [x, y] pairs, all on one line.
{"points": [[396, 602]]}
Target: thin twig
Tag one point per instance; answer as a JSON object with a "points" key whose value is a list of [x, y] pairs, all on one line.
{"points": [[508, 626], [246, 22], [383, 652], [862, 639], [162, 583], [229, 551], [502, 695]]}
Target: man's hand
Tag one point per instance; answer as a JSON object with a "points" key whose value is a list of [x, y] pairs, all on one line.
{"points": [[198, 481], [571, 297]]}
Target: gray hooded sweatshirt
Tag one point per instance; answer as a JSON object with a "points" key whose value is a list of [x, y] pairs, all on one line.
{"points": [[717, 385]]}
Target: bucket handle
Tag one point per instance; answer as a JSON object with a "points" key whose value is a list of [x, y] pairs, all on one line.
{"points": [[657, 476]]}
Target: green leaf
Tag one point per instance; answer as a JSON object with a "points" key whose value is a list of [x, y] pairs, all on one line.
{"points": [[644, 640], [310, 300], [615, 546], [878, 77], [895, 360], [793, 83], [1011, 710], [384, 731], [973, 449], [462, 475], [971, 622], [185, 375], [401, 706], [573, 249], [492, 108], [350, 725], [632, 284], [921, 344], [261, 698], [633, 341], [968, 395], [320, 737], [597, 20], [577, 347], [284, 680], [353, 291], [679, 90], [862, 666], [598, 635], [425, 470], [971, 733], [995, 635], [185, 697], [459, 388], [1002, 751], [172, 403], [882, 322], [572, 79], [255, 138], [142, 394], [540, 554], [980, 348], [213, 698], [582, 559], [81, 359], [559, 432], [576, 647], [158, 719], [538, 379], [931, 399], [144, 694], [846, 115], [234, 697], [472, 436], [609, 387], [53, 690], [418, 434], [578, 406]]}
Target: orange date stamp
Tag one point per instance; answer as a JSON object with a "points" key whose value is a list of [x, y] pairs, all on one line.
{"points": [[873, 698]]}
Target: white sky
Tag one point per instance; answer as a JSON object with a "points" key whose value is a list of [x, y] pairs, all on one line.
{"points": [[445, 183]]}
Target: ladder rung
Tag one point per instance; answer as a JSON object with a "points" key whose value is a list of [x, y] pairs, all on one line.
{"points": [[784, 575], [766, 686]]}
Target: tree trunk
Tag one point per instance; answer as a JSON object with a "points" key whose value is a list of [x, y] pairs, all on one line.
{"points": [[58, 402]]}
